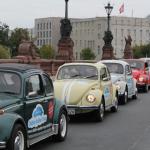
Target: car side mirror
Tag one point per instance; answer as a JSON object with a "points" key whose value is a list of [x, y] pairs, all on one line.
{"points": [[31, 94], [105, 79]]}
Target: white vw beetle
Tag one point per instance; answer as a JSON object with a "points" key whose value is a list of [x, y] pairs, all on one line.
{"points": [[121, 75]]}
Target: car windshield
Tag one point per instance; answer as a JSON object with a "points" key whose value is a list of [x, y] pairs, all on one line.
{"points": [[136, 64], [115, 68], [10, 83], [78, 71]]}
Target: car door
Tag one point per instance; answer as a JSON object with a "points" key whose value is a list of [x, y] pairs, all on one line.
{"points": [[106, 85], [129, 80], [36, 107]]}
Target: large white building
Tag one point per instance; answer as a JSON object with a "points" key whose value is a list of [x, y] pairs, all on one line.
{"points": [[47, 31], [89, 33]]}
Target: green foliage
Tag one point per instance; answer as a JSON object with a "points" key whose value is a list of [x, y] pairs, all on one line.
{"points": [[4, 52], [87, 54], [47, 52], [141, 51], [4, 29], [16, 37]]}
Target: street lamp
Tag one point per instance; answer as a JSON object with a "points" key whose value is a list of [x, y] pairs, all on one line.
{"points": [[108, 37], [109, 9]]}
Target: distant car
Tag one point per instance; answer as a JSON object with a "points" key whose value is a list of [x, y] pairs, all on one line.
{"points": [[121, 75], [29, 111], [86, 87], [141, 73]]}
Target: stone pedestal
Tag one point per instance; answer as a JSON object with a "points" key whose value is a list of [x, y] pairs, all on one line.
{"points": [[65, 49], [107, 52]]}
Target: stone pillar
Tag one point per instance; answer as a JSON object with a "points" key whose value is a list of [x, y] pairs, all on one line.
{"points": [[65, 44]]}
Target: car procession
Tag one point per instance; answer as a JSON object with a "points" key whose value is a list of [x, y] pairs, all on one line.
{"points": [[34, 107]]}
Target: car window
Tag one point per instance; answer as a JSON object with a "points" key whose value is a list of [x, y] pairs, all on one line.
{"points": [[48, 85], [128, 70], [34, 86], [10, 83], [115, 68], [103, 73], [78, 71]]}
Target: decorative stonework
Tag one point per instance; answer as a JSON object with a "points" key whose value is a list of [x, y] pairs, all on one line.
{"points": [[128, 52], [107, 48], [27, 50], [65, 44]]}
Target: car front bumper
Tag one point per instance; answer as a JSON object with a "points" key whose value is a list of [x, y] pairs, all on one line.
{"points": [[2, 145], [73, 110]]}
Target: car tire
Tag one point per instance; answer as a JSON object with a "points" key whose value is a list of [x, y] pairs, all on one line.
{"points": [[124, 98], [146, 88], [18, 139], [62, 127], [115, 107], [99, 114], [135, 96]]}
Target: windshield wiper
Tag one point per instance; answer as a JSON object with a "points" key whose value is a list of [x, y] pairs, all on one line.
{"points": [[8, 92], [76, 75], [90, 76]]}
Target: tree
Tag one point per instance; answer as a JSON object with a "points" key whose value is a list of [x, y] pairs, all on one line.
{"points": [[47, 52], [16, 37], [87, 54], [141, 51], [4, 29], [4, 52]]}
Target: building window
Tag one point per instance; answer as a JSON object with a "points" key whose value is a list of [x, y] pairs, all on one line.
{"points": [[98, 50], [38, 26], [99, 26], [99, 36]]}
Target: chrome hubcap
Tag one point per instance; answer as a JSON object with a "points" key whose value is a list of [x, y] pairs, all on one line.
{"points": [[19, 141], [63, 125]]}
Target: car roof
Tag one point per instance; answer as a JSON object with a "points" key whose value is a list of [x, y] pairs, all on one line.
{"points": [[97, 65], [114, 61], [129, 60], [22, 68]]}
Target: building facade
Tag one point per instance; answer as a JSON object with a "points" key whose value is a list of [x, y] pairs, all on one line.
{"points": [[47, 31], [89, 33]]}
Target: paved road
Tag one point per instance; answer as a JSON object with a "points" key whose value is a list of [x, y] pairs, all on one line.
{"points": [[128, 129]]}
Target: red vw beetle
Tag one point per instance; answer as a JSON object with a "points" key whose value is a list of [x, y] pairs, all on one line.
{"points": [[141, 73]]}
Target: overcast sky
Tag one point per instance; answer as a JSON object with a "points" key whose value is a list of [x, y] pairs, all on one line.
{"points": [[21, 13]]}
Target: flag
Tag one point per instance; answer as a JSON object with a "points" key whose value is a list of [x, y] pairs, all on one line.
{"points": [[121, 9]]}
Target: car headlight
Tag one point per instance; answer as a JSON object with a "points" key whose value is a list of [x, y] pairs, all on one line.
{"points": [[118, 86], [1, 111], [141, 79], [90, 98]]}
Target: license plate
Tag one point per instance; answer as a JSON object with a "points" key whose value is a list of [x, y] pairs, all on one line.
{"points": [[71, 112]]}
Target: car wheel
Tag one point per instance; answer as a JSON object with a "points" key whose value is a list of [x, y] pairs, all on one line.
{"points": [[62, 127], [17, 140], [146, 88], [99, 114], [115, 107], [124, 97], [135, 96]]}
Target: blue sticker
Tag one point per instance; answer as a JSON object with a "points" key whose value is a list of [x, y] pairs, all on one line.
{"points": [[106, 93], [38, 117]]}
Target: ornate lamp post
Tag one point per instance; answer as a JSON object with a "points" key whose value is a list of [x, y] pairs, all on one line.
{"points": [[65, 44], [108, 37]]}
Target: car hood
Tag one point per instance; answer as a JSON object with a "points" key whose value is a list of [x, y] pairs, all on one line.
{"points": [[72, 91], [6, 100], [116, 77]]}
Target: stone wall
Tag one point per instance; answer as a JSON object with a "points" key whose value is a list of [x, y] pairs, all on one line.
{"points": [[49, 66]]}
